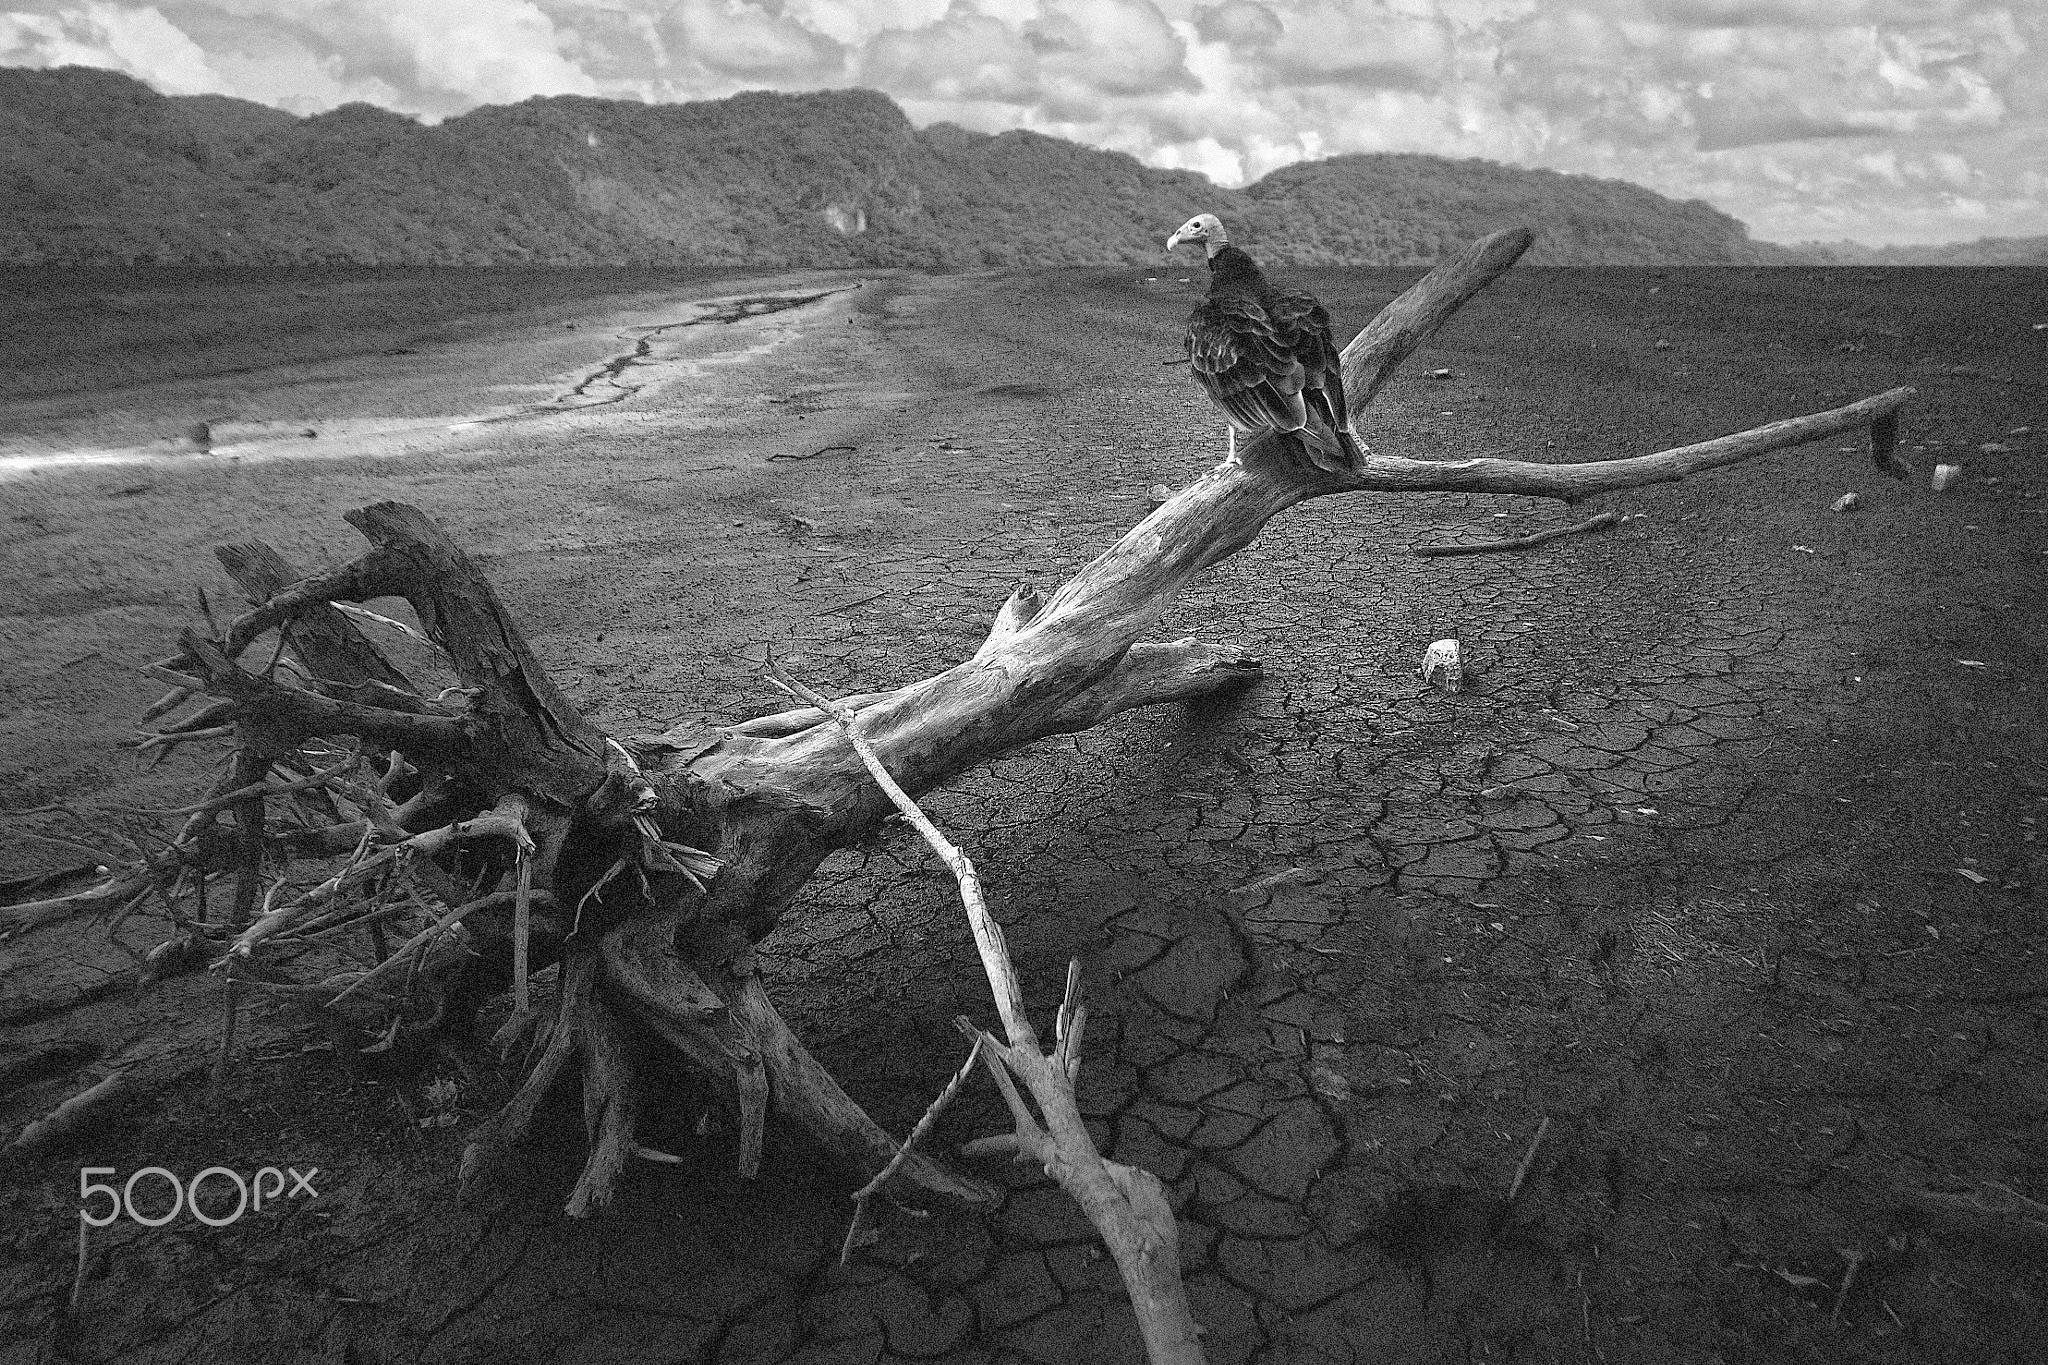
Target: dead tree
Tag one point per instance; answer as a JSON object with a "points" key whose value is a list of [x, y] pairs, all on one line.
{"points": [[498, 822]]}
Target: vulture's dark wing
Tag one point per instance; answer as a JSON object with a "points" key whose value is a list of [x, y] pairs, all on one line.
{"points": [[1246, 363], [1305, 321]]}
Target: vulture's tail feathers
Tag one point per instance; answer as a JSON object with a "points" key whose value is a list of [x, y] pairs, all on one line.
{"points": [[1326, 443], [1352, 453], [1323, 447], [1338, 412]]}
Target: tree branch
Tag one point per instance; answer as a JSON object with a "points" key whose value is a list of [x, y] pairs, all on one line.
{"points": [[1513, 543], [1403, 325], [1576, 482], [1126, 1204], [292, 715], [326, 641]]}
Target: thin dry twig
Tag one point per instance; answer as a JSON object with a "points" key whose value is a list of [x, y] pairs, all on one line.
{"points": [[167, 703], [355, 917], [1528, 1159], [98, 855], [1855, 1256], [931, 1115], [522, 923], [610, 874], [502, 821], [822, 450], [159, 743], [366, 614], [1528, 542], [428, 934], [1989, 1199], [321, 778], [988, 935], [70, 1113], [78, 1275]]}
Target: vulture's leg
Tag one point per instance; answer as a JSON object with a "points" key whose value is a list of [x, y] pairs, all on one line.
{"points": [[1233, 443]]}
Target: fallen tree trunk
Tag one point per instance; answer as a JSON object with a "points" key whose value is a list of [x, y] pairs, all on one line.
{"points": [[499, 817]]}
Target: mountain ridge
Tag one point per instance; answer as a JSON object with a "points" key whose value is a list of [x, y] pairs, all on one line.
{"points": [[106, 171]]}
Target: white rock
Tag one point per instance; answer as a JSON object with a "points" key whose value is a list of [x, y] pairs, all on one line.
{"points": [[1441, 667], [1847, 502], [1946, 475]]}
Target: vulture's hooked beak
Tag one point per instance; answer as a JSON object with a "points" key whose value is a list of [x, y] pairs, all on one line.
{"points": [[1174, 241]]}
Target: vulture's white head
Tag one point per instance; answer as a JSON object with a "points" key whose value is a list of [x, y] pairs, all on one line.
{"points": [[1205, 228]]}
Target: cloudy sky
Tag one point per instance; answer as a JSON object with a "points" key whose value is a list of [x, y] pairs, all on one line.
{"points": [[1880, 120]]}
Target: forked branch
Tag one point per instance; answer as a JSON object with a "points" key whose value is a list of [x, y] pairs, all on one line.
{"points": [[1572, 483], [1127, 1204]]}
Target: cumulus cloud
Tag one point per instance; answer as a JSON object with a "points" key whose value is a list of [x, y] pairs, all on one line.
{"points": [[494, 51], [961, 56], [855, 22], [751, 41], [273, 67], [1373, 46], [1796, 115], [1114, 47], [306, 55], [136, 40], [1068, 60], [1240, 23], [1882, 118]]}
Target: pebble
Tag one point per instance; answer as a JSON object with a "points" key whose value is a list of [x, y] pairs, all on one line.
{"points": [[1442, 668]]}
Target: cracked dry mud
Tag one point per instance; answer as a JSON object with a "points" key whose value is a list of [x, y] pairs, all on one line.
{"points": [[1679, 871]]}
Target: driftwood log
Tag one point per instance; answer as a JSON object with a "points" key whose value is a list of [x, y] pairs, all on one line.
{"points": [[501, 832]]}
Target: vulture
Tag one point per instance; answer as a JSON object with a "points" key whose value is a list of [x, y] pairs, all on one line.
{"points": [[1265, 355]]}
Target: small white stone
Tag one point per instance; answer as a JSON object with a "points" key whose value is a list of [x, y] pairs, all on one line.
{"points": [[1441, 667]]}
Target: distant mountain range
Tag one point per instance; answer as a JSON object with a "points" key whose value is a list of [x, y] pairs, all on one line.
{"points": [[98, 169], [1984, 251]]}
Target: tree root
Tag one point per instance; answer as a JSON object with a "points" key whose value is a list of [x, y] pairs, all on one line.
{"points": [[735, 1029], [589, 1033]]}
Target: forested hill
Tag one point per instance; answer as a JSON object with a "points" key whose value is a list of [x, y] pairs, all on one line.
{"points": [[96, 168], [2002, 251]]}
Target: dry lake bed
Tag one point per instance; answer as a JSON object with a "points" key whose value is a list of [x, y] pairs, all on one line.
{"points": [[1727, 863]]}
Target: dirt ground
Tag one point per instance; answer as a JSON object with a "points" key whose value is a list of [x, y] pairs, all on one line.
{"points": [[1726, 865]]}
